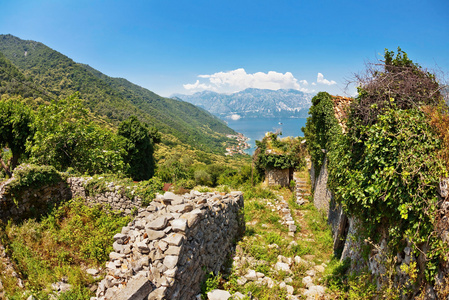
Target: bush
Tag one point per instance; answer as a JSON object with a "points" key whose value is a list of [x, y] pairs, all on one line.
{"points": [[33, 176]]}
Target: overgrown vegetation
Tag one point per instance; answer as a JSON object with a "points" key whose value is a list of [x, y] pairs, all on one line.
{"points": [[15, 130], [33, 176], [139, 146], [145, 190], [66, 137], [72, 238], [385, 169], [321, 130], [273, 152], [266, 239]]}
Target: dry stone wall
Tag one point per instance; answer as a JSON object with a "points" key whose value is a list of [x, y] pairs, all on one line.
{"points": [[31, 202], [34, 201], [113, 196], [167, 249]]}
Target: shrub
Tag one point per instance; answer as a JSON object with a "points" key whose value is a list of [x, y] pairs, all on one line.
{"points": [[33, 176]]}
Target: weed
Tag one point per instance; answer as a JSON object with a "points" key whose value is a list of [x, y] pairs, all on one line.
{"points": [[71, 236], [211, 282]]}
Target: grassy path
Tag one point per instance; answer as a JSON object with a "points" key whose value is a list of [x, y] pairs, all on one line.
{"points": [[271, 260]]}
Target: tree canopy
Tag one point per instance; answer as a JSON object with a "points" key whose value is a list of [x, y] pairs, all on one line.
{"points": [[66, 137], [139, 146], [15, 130]]}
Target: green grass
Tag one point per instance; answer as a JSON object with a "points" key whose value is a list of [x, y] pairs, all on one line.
{"points": [[63, 244]]}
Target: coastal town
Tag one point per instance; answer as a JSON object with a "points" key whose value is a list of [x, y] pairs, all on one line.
{"points": [[239, 147]]}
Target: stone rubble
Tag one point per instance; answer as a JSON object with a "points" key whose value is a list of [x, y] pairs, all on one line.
{"points": [[172, 242], [284, 210]]}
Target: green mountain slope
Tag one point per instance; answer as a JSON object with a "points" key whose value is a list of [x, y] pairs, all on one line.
{"points": [[56, 76]]}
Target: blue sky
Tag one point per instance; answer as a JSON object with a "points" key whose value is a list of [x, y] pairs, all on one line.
{"points": [[187, 46]]}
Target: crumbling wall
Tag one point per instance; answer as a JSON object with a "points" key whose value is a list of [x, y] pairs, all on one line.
{"points": [[32, 202], [112, 197]]}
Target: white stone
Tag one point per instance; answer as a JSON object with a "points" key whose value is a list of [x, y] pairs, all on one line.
{"points": [[270, 282], [311, 273], [218, 295], [158, 224], [319, 268], [92, 272], [241, 281], [174, 239], [314, 292], [251, 275], [280, 266], [298, 260], [170, 261], [238, 296], [142, 246], [179, 225], [307, 281], [115, 255]]}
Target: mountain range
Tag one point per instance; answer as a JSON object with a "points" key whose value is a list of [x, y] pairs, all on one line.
{"points": [[33, 70], [252, 103]]}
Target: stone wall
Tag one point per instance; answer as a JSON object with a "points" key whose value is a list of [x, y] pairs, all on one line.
{"points": [[31, 203], [167, 249], [322, 196], [113, 196], [280, 177]]}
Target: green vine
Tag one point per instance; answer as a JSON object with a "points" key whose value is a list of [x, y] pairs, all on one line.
{"points": [[385, 170], [321, 129], [275, 153]]}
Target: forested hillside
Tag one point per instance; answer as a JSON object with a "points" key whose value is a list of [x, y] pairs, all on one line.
{"points": [[31, 69]]}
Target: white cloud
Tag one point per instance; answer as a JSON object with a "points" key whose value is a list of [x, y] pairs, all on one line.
{"points": [[238, 80], [313, 83], [197, 86], [320, 79]]}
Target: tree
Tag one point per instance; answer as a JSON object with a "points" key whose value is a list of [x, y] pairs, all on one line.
{"points": [[67, 137], [139, 145], [15, 129]]}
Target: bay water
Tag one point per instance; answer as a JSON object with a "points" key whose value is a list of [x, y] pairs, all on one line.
{"points": [[255, 128]]}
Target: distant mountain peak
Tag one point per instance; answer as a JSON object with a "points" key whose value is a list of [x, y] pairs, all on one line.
{"points": [[253, 102]]}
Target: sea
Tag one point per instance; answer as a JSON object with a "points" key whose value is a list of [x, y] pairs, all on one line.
{"points": [[255, 128]]}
